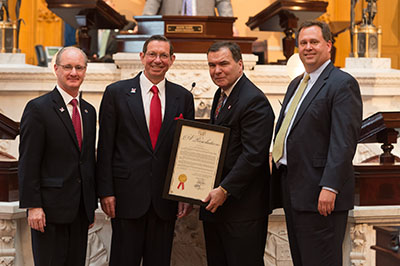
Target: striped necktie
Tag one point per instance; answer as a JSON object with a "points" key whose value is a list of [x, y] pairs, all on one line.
{"points": [[221, 100]]}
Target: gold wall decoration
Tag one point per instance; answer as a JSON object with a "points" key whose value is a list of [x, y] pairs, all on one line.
{"points": [[45, 15]]}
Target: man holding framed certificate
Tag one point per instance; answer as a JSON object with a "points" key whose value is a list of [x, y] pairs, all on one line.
{"points": [[236, 215]]}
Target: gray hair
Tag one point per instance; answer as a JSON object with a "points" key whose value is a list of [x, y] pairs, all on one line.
{"points": [[232, 46]]}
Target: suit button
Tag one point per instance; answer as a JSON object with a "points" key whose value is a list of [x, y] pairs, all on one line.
{"points": [[79, 180]]}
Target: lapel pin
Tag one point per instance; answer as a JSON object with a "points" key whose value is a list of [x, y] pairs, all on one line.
{"points": [[62, 109], [229, 107], [86, 111], [133, 90]]}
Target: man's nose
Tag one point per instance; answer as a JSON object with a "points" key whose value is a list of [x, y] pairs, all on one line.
{"points": [[73, 71], [158, 58]]}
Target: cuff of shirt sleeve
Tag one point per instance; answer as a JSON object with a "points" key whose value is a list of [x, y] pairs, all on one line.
{"points": [[331, 189]]}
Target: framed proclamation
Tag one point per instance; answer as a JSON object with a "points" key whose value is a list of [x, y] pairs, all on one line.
{"points": [[196, 161]]}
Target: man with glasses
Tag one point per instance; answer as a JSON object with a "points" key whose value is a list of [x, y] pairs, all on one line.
{"points": [[57, 166], [137, 123]]}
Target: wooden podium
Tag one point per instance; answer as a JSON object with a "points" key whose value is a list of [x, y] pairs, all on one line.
{"points": [[387, 246], [377, 183], [188, 34], [286, 16], [8, 164], [85, 15]]}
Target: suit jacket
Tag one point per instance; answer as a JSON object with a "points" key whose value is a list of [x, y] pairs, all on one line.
{"points": [[127, 166], [246, 171], [322, 141], [174, 7], [53, 173]]}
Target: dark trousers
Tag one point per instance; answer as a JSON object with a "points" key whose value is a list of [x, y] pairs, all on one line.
{"points": [[236, 243], [147, 237], [314, 239], [62, 244]]}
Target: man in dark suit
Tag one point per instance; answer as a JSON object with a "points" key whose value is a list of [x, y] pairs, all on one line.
{"points": [[236, 216], [316, 138], [137, 123], [57, 166]]}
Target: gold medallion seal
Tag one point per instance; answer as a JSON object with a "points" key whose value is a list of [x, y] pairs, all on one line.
{"points": [[182, 179]]}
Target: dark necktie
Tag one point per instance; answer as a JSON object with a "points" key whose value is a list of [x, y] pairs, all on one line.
{"points": [[76, 121], [155, 116], [221, 100]]}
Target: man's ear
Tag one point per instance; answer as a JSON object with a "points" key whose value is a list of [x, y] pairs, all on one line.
{"points": [[329, 45], [172, 59]]}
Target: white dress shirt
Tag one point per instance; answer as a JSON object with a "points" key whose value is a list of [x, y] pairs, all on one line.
{"points": [[145, 86]]}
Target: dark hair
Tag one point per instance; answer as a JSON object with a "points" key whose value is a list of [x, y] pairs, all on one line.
{"points": [[232, 46], [158, 38], [62, 50], [326, 32]]}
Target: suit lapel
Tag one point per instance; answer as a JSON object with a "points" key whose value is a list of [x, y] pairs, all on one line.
{"points": [[84, 109], [214, 105], [135, 103], [312, 93], [171, 99], [62, 112], [289, 93], [231, 101]]}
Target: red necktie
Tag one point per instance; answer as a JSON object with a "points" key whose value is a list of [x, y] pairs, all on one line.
{"points": [[76, 121], [155, 116]]}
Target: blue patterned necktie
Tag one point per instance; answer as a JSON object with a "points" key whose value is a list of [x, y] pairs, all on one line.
{"points": [[187, 8]]}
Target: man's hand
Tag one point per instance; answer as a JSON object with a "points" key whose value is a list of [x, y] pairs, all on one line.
{"points": [[37, 219], [326, 202], [216, 198], [108, 205], [184, 209]]}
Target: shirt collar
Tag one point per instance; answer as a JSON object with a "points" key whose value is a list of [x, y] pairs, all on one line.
{"points": [[315, 75], [66, 97], [229, 90], [147, 84]]}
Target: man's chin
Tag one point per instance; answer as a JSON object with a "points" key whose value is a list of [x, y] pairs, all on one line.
{"points": [[74, 85]]}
